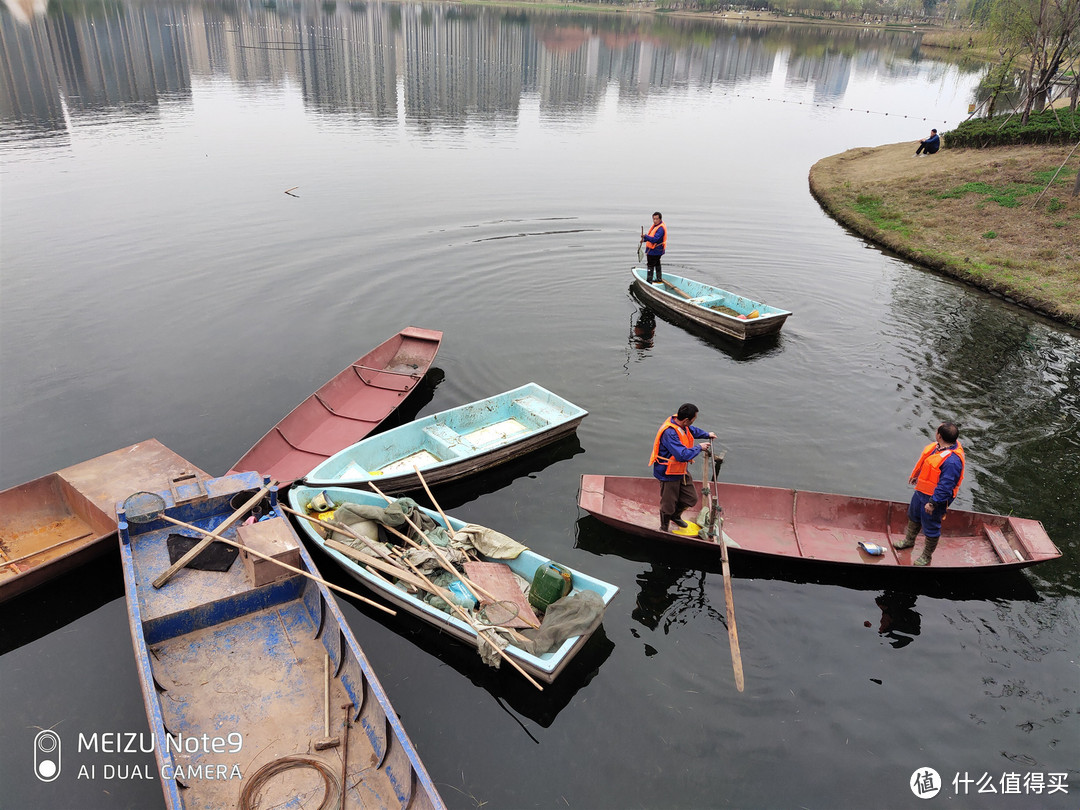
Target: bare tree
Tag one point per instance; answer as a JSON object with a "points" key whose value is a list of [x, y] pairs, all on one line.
{"points": [[1044, 34]]}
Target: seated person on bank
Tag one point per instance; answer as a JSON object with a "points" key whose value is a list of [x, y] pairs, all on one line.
{"points": [[929, 145]]}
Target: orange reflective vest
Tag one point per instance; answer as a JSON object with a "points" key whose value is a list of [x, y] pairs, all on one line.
{"points": [[661, 245], [928, 468], [674, 466]]}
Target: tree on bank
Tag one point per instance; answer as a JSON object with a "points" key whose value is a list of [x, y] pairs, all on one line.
{"points": [[1042, 36]]}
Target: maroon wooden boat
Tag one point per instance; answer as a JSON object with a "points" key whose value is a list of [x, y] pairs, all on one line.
{"points": [[60, 521], [823, 527], [346, 409]]}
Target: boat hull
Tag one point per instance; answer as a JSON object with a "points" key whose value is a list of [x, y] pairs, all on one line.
{"points": [[61, 521], [453, 444], [664, 298], [233, 676], [344, 410], [822, 527], [545, 668]]}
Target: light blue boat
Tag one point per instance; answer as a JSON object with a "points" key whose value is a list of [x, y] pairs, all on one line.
{"points": [[544, 667], [453, 443], [710, 307], [250, 671]]}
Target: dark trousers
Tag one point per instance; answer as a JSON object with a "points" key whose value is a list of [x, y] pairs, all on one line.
{"points": [[653, 263], [677, 495], [930, 150], [931, 524]]}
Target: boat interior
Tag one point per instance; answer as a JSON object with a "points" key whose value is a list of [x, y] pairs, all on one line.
{"points": [[229, 656]]}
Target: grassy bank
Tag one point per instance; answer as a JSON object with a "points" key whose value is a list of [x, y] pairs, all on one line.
{"points": [[991, 217]]}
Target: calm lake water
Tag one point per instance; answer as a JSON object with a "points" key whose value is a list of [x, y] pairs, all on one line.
{"points": [[486, 172]]}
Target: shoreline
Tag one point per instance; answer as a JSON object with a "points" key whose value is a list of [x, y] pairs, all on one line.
{"points": [[939, 212]]}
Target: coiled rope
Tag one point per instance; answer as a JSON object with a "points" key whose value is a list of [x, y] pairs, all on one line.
{"points": [[249, 793]]}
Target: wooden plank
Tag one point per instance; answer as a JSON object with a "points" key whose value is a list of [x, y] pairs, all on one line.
{"points": [[498, 579], [1000, 544]]}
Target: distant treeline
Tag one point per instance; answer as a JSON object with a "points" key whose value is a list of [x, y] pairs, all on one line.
{"points": [[861, 10]]}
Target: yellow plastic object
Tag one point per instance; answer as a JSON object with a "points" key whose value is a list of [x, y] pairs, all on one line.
{"points": [[691, 530], [325, 515], [754, 314]]}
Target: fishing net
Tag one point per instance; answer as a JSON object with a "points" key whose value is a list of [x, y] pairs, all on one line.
{"points": [[498, 613], [143, 507]]}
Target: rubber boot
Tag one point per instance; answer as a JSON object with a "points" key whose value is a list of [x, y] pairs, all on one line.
{"points": [[659, 276], [909, 536], [648, 278], [928, 551], [677, 520], [664, 522]]}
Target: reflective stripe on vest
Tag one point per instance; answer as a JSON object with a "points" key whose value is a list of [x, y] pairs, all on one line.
{"points": [[674, 466], [652, 232], [927, 470]]}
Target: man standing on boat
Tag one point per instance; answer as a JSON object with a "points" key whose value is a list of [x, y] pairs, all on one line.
{"points": [[937, 476], [673, 451], [656, 242]]}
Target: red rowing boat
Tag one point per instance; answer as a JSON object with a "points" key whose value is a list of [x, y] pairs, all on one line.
{"points": [[346, 409], [822, 527]]}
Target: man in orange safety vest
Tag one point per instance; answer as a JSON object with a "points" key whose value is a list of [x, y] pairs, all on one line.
{"points": [[937, 476], [673, 451]]}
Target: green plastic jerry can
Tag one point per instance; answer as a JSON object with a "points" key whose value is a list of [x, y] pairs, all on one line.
{"points": [[550, 583]]}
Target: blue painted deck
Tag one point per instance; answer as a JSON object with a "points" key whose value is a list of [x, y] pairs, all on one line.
{"points": [[244, 666]]}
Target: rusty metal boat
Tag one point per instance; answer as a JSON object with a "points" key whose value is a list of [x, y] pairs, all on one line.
{"points": [[58, 522]]}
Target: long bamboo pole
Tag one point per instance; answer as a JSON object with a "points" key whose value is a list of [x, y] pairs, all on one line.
{"points": [[472, 587], [457, 608], [42, 551], [284, 565], [211, 536]]}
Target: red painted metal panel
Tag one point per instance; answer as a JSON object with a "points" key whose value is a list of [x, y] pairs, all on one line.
{"points": [[823, 527], [346, 409]]}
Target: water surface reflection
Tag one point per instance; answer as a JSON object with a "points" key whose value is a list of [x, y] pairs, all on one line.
{"points": [[432, 66]]}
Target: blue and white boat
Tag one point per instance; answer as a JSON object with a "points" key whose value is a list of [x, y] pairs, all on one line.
{"points": [[710, 307], [245, 684], [545, 667], [454, 443]]}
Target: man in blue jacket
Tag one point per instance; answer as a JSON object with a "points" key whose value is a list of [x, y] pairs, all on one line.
{"points": [[937, 476], [929, 145], [655, 245], [673, 450]]}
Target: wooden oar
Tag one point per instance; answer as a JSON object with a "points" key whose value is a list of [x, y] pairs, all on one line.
{"points": [[676, 289], [456, 607], [209, 537], [732, 631], [284, 565]]}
